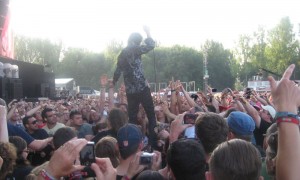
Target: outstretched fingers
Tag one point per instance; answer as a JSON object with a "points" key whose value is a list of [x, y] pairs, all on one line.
{"points": [[288, 72]]}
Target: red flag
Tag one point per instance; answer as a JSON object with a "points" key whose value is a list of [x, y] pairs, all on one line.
{"points": [[7, 41]]}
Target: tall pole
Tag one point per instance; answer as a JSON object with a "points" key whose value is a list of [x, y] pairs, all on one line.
{"points": [[154, 64], [205, 72]]}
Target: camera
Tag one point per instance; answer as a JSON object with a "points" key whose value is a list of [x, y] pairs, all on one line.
{"points": [[189, 118], [146, 158], [214, 90], [87, 154], [194, 96]]}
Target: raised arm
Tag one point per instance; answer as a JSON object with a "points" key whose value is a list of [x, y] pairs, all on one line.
{"points": [[103, 83], [3, 125], [251, 111], [187, 96], [261, 100], [286, 98], [111, 92], [34, 110]]}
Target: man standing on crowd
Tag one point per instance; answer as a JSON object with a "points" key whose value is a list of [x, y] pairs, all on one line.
{"points": [[137, 88]]}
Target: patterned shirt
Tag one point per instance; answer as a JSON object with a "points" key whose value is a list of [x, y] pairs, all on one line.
{"points": [[130, 64]]}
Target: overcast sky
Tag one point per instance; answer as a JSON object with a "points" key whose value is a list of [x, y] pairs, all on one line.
{"points": [[91, 24]]}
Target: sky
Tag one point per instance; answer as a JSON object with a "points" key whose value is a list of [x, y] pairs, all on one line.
{"points": [[92, 24]]}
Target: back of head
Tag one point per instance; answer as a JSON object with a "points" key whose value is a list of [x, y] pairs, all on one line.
{"points": [[186, 158], [241, 125], [135, 39], [149, 175], [63, 135], [116, 118], [234, 160], [107, 147], [9, 156], [20, 145], [212, 130], [129, 139]]}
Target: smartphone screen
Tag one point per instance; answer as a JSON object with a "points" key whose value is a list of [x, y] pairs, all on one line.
{"points": [[190, 132], [87, 154]]}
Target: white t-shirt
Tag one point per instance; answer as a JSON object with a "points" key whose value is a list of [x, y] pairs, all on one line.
{"points": [[54, 129]]}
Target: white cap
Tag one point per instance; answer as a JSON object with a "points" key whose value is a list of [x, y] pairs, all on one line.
{"points": [[271, 110]]}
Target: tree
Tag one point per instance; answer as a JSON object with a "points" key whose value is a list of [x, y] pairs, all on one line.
{"points": [[282, 48], [38, 51], [219, 62]]}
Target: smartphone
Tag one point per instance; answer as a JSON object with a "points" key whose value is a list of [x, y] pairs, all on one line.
{"points": [[87, 154], [189, 118]]}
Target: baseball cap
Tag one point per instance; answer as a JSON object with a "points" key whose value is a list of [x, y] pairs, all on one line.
{"points": [[241, 123], [128, 135], [271, 110]]}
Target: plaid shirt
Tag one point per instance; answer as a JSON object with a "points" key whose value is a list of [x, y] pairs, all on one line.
{"points": [[130, 64]]}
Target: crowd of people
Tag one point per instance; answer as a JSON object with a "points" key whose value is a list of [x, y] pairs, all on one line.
{"points": [[230, 135], [234, 136]]}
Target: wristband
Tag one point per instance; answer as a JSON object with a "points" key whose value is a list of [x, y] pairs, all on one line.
{"points": [[288, 120], [46, 175], [126, 177], [286, 114]]}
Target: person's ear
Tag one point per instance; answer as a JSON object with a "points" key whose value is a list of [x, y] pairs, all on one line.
{"points": [[230, 135], [141, 145], [208, 175]]}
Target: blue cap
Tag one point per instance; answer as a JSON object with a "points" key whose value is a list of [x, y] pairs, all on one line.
{"points": [[128, 135], [241, 123]]}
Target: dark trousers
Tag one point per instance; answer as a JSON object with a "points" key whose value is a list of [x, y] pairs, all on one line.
{"points": [[144, 98]]}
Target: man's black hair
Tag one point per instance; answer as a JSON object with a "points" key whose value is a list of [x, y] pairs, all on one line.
{"points": [[63, 135], [186, 158], [25, 119], [135, 39], [73, 113], [44, 112]]}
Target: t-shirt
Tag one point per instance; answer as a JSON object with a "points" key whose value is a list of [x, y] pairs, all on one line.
{"points": [[39, 134], [84, 129], [259, 132], [36, 158], [52, 131], [16, 131]]}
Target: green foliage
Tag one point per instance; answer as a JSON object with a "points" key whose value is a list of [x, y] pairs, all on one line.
{"points": [[273, 50], [38, 51], [282, 48], [182, 63], [219, 65]]}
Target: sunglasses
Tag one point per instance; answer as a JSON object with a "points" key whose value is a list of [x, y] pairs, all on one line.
{"points": [[33, 122]]}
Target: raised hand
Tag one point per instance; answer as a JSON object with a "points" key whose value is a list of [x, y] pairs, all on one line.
{"points": [[103, 80], [285, 94]]}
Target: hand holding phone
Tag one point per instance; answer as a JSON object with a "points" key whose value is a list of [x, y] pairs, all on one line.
{"points": [[87, 154]]}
